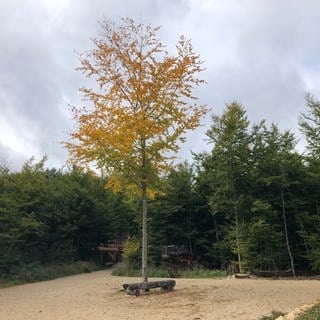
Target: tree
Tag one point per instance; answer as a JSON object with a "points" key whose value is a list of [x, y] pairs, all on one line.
{"points": [[51, 216], [310, 126], [140, 109], [178, 217], [275, 168], [228, 165]]}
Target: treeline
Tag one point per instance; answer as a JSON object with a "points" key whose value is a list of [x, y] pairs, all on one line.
{"points": [[252, 202], [50, 216]]}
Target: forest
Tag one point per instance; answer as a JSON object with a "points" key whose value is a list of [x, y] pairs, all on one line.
{"points": [[252, 201]]}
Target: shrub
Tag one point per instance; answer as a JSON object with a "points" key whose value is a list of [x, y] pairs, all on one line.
{"points": [[132, 254]]}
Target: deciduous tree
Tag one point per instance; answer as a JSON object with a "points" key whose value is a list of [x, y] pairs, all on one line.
{"points": [[139, 110]]}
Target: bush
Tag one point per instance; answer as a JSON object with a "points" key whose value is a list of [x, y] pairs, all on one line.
{"points": [[131, 254]]}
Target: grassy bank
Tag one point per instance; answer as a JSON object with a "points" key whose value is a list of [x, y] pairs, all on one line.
{"points": [[36, 272], [312, 314], [121, 269]]}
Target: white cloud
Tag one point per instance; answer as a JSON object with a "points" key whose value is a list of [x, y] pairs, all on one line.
{"points": [[18, 138]]}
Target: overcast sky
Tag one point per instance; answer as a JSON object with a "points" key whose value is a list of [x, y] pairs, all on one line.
{"points": [[263, 53]]}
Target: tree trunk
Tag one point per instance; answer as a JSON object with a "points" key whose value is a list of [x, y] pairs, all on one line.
{"points": [[189, 230], [144, 267], [238, 238], [218, 239], [144, 234], [236, 216], [286, 234], [304, 237]]}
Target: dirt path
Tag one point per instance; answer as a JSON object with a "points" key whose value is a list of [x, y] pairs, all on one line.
{"points": [[97, 296]]}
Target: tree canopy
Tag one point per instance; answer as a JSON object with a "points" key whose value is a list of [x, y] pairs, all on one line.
{"points": [[142, 103], [140, 109], [252, 195]]}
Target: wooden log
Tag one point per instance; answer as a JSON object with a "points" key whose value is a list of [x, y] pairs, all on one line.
{"points": [[133, 292], [132, 288]]}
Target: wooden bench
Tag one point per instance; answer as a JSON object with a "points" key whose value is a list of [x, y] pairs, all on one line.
{"points": [[134, 288]]}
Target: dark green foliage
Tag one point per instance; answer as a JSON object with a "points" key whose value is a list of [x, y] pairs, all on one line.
{"points": [[262, 195], [251, 203], [178, 217], [226, 173], [310, 125], [50, 216], [36, 272]]}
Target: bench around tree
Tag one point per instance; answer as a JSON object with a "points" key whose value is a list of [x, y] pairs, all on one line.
{"points": [[134, 288]]}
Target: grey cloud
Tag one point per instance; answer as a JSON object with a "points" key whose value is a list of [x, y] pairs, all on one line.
{"points": [[258, 52]]}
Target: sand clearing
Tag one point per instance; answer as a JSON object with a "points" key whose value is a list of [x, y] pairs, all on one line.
{"points": [[97, 296]]}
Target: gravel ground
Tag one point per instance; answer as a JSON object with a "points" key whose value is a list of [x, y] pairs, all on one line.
{"points": [[98, 296]]}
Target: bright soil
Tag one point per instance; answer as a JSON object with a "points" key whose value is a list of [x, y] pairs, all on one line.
{"points": [[98, 296]]}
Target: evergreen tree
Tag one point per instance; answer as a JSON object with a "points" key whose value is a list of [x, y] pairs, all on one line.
{"points": [[228, 167], [310, 223], [310, 126]]}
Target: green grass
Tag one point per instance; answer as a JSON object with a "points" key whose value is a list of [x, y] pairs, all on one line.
{"points": [[202, 273], [312, 314], [121, 269], [36, 272]]}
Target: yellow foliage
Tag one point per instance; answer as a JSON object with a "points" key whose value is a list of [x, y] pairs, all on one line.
{"points": [[130, 249], [143, 106], [114, 184]]}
